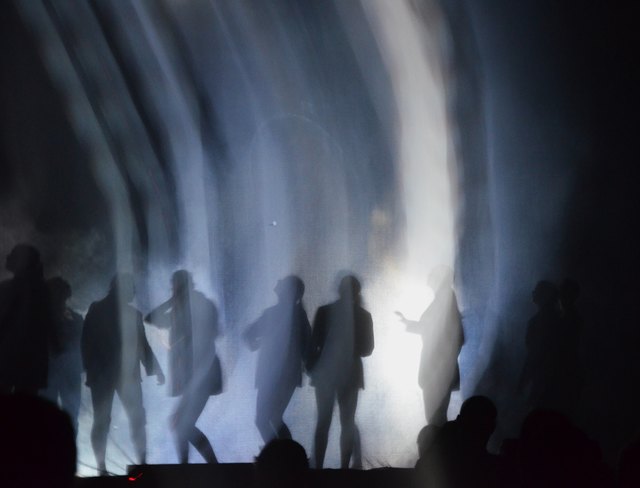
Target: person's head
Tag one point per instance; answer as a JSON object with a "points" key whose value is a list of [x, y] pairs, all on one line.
{"points": [[59, 291], [37, 443], [282, 463], [123, 286], [349, 288], [477, 419], [440, 278], [426, 437], [24, 260], [181, 281], [545, 294], [290, 288]]}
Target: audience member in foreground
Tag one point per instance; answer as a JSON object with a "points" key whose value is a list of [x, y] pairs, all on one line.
{"points": [[458, 457], [37, 444], [282, 463]]}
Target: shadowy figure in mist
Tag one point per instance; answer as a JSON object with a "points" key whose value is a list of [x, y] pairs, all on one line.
{"points": [[545, 342], [571, 341], [65, 359], [37, 444], [442, 338], [195, 371], [282, 335], [282, 463], [342, 335], [113, 346], [458, 456], [25, 323]]}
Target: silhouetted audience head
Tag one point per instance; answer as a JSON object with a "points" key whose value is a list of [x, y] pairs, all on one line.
{"points": [[282, 463], [123, 284], [349, 288], [24, 260], [37, 444], [290, 288], [477, 419], [629, 466], [181, 281], [426, 437], [545, 294]]}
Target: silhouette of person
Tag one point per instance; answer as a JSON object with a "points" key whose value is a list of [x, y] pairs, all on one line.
{"points": [[342, 335], [195, 372], [282, 335], [25, 323], [570, 337], [37, 445], [544, 349], [458, 456], [113, 346], [65, 360], [282, 463], [442, 338]]}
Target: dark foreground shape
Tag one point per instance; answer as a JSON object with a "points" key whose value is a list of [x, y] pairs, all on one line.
{"points": [[242, 475]]}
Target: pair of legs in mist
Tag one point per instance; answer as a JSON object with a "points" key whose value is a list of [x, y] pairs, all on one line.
{"points": [[271, 403], [347, 397], [130, 395], [183, 423]]}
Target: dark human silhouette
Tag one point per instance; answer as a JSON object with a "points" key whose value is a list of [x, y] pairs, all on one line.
{"points": [[458, 457], [426, 438], [442, 338], [25, 323], [541, 375], [65, 359], [37, 444], [113, 346], [552, 453], [629, 465], [342, 335], [282, 463], [570, 338], [195, 371], [281, 334]]}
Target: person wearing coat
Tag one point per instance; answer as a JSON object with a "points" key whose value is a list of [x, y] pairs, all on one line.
{"points": [[113, 345], [281, 334], [194, 368], [342, 335]]}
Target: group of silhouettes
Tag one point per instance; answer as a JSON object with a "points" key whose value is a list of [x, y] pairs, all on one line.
{"points": [[45, 346]]}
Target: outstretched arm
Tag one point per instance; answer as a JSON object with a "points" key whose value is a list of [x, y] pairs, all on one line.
{"points": [[159, 316], [148, 359], [413, 326]]}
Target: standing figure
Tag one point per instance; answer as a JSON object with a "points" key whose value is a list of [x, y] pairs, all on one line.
{"points": [[442, 338], [65, 361], [195, 372], [542, 372], [282, 334], [342, 335], [25, 324], [113, 346]]}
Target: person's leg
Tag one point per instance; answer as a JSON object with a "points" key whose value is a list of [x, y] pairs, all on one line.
{"points": [[102, 399], [130, 395], [264, 413], [187, 412], [325, 397], [70, 390], [347, 402]]}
